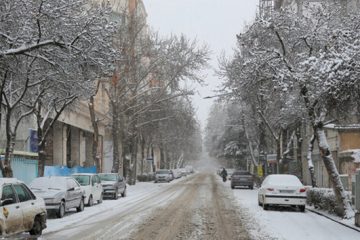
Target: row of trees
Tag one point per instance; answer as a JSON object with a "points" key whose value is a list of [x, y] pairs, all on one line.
{"points": [[292, 69], [53, 54]]}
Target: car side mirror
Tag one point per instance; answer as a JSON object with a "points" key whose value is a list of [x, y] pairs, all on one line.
{"points": [[7, 201], [71, 189]]}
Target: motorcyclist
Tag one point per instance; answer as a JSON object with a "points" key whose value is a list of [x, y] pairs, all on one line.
{"points": [[224, 174]]}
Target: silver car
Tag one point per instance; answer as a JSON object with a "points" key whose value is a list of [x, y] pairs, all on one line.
{"points": [[113, 184], [163, 175], [59, 193]]}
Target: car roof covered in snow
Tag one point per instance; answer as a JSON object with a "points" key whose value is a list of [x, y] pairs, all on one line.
{"points": [[282, 180], [9, 180]]}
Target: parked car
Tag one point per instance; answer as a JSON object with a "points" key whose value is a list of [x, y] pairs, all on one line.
{"points": [[282, 190], [242, 178], [91, 184], [21, 210], [163, 175], [59, 193], [176, 173], [183, 172], [113, 184]]}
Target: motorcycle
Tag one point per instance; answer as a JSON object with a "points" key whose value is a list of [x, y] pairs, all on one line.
{"points": [[224, 178]]}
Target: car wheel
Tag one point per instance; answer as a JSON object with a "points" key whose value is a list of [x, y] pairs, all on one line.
{"points": [[232, 187], [123, 194], [37, 227], [101, 199], [116, 195], [61, 212], [91, 201], [81, 206], [251, 187], [302, 208], [155, 182]]}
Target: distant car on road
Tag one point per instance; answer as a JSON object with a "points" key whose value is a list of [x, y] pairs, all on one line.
{"points": [[59, 193], [91, 184], [282, 190], [113, 184], [163, 175], [242, 178], [21, 210]]}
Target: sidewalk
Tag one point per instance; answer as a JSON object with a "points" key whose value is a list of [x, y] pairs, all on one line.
{"points": [[350, 223]]}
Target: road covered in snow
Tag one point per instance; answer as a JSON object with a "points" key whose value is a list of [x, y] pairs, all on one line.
{"points": [[199, 206]]}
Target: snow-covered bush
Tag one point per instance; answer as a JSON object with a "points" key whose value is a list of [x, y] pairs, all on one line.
{"points": [[324, 199]]}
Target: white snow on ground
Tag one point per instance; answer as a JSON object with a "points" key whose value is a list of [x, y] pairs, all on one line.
{"points": [[110, 207], [287, 224], [283, 224]]}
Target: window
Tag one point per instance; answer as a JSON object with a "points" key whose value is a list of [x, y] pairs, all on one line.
{"points": [[22, 193], [29, 191], [98, 179], [71, 183], [83, 180], [7, 193], [93, 180]]}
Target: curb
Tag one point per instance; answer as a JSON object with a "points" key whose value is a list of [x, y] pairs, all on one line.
{"points": [[334, 220]]}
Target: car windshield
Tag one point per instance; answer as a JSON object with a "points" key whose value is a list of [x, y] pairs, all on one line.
{"points": [[51, 183], [83, 180], [107, 177], [163, 172]]}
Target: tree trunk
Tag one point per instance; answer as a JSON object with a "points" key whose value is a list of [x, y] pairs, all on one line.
{"points": [[116, 139], [142, 155], [299, 151], [95, 146], [9, 150], [41, 152], [133, 160], [345, 207], [6, 167], [310, 162]]}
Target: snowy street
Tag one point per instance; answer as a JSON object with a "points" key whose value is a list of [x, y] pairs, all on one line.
{"points": [[199, 206]]}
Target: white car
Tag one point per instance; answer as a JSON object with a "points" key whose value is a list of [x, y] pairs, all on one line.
{"points": [[21, 210], [163, 175], [91, 184], [282, 190]]}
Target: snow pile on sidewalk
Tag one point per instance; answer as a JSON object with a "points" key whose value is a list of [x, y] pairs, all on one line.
{"points": [[285, 223]]}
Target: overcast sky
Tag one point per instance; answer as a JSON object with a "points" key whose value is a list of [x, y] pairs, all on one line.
{"points": [[212, 22]]}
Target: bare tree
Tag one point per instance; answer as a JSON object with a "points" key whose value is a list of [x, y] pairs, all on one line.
{"points": [[68, 45]]}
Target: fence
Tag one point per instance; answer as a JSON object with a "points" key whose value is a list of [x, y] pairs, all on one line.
{"points": [[24, 169], [65, 171]]}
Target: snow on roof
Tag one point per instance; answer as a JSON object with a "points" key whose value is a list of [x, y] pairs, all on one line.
{"points": [[343, 127], [356, 155]]}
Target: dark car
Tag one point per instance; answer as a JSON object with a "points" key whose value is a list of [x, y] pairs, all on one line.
{"points": [[113, 184], [242, 178]]}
